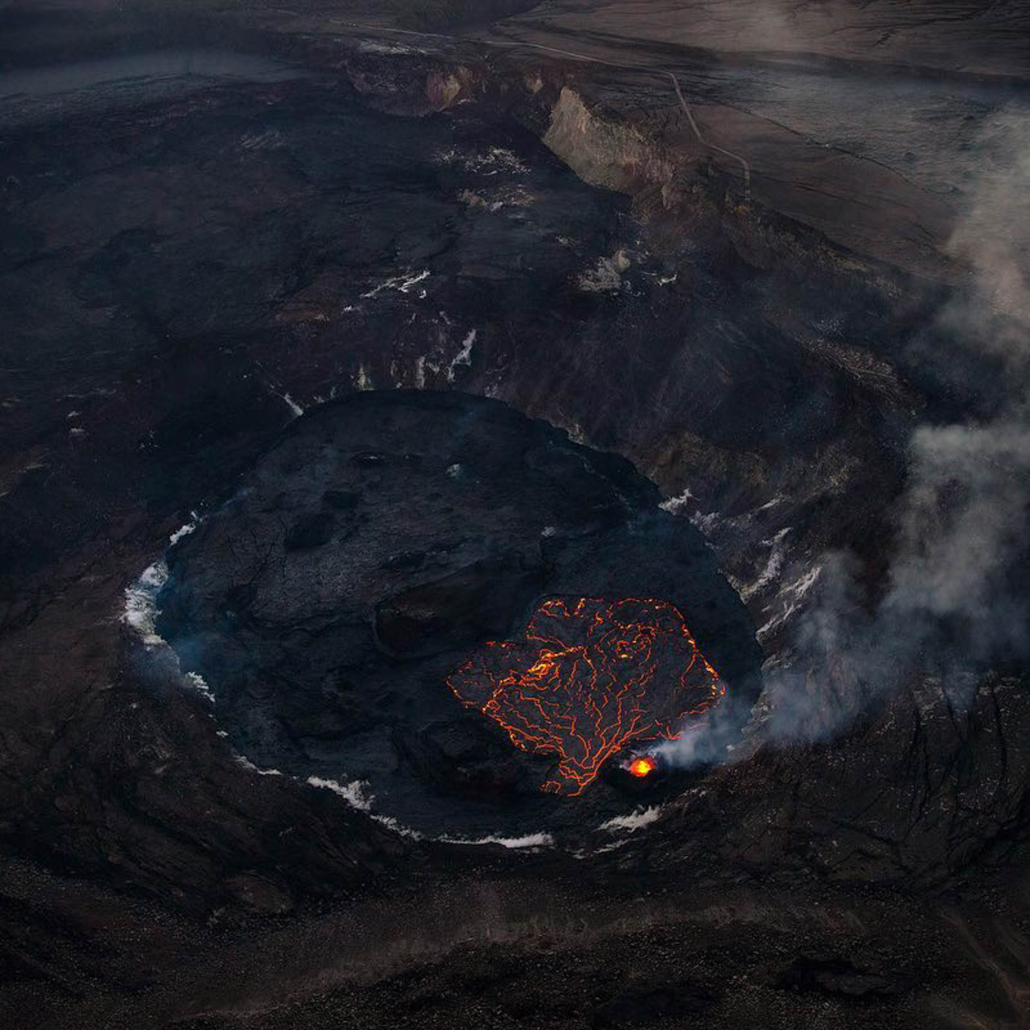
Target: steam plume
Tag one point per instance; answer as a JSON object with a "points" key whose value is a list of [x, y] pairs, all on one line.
{"points": [[955, 596]]}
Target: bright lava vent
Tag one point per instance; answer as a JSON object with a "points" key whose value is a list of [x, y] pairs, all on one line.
{"points": [[591, 677], [641, 767]]}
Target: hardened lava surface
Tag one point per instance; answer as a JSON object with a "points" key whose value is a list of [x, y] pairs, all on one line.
{"points": [[591, 677], [458, 608]]}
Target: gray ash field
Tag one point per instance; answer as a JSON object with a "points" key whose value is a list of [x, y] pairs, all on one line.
{"points": [[415, 415]]}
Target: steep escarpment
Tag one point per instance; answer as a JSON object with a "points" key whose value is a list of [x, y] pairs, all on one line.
{"points": [[604, 152]]}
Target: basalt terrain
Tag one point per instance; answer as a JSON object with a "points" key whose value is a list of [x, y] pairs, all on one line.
{"points": [[334, 607], [390, 391]]}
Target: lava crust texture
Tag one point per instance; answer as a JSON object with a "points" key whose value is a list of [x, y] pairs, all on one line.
{"points": [[591, 677], [377, 549]]}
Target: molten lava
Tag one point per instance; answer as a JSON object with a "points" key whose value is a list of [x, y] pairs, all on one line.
{"points": [[590, 677], [641, 767]]}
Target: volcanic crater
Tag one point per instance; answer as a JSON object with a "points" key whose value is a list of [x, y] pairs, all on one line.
{"points": [[396, 544], [472, 628]]}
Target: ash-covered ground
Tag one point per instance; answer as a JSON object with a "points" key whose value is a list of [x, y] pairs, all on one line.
{"points": [[340, 337]]}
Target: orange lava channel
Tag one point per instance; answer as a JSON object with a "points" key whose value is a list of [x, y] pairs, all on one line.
{"points": [[591, 677]]}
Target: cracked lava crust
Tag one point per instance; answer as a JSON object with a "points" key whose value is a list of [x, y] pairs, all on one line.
{"points": [[510, 617], [591, 677]]}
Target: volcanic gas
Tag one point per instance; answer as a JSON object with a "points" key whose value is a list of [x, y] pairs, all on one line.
{"points": [[641, 767], [591, 676]]}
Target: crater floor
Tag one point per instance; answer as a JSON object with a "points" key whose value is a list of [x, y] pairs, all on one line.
{"points": [[383, 540]]}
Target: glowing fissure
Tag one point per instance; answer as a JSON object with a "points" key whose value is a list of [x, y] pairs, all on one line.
{"points": [[591, 677]]}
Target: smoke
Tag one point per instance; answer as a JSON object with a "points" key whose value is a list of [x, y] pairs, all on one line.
{"points": [[770, 26], [993, 240], [962, 527], [955, 597], [953, 601]]}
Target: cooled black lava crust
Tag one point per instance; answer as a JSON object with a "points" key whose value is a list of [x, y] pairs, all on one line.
{"points": [[373, 548]]}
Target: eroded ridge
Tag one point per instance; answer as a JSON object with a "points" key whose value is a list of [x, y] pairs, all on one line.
{"points": [[591, 676]]}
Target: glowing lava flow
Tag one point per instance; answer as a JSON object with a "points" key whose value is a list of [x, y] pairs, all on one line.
{"points": [[590, 677], [641, 767]]}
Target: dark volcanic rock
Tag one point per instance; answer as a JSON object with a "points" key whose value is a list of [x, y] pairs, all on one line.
{"points": [[310, 531], [839, 976], [661, 1002], [329, 652], [186, 261], [475, 602]]}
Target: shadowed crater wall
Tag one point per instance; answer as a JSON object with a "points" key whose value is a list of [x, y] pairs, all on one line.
{"points": [[374, 548]]}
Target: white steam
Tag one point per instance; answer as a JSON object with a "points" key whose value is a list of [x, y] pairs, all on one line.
{"points": [[636, 820], [140, 611], [955, 598]]}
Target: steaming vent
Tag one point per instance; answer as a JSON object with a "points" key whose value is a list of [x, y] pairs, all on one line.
{"points": [[642, 767]]}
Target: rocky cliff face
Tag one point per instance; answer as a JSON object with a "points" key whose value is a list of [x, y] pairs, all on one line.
{"points": [[609, 154]]}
